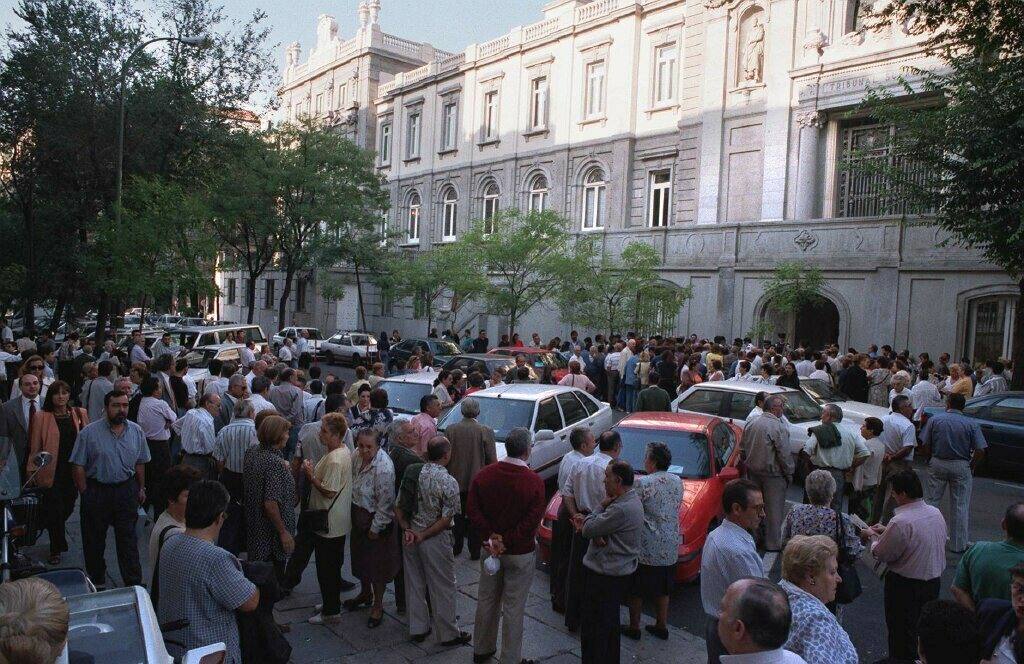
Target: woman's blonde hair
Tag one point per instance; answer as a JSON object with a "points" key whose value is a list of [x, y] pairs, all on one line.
{"points": [[335, 423], [806, 555], [33, 622], [272, 431]]}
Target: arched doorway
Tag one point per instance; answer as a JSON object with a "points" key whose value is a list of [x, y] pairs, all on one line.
{"points": [[817, 324]]}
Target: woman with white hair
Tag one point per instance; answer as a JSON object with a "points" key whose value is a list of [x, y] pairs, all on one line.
{"points": [[818, 517], [900, 385]]}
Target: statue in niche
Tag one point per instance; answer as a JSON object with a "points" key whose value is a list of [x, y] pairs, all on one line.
{"points": [[753, 53]]}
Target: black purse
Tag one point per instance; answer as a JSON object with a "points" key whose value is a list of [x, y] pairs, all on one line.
{"points": [[315, 521], [850, 589]]}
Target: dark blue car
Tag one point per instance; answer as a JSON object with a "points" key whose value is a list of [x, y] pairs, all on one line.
{"points": [[1001, 417]]}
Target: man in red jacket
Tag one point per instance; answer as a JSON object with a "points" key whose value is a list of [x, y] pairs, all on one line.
{"points": [[505, 506]]}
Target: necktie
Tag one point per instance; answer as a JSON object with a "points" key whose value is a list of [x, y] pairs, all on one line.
{"points": [[31, 416]]}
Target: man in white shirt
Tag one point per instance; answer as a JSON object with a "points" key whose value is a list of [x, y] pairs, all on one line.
{"points": [[260, 391], [925, 394], [220, 373], [285, 352], [625, 356], [302, 343], [804, 366], [819, 372], [198, 437], [247, 354], [99, 389], [900, 438], [611, 368], [584, 493], [138, 353], [164, 346], [313, 405], [742, 372], [258, 368], [583, 442]]}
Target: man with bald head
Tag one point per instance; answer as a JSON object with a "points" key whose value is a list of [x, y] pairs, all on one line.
{"points": [[755, 623], [259, 367]]}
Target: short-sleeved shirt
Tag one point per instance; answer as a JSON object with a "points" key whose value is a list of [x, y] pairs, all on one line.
{"points": [[107, 457], [953, 436], [983, 570], [437, 496], [266, 477], [203, 583], [233, 441], [334, 471], [898, 432]]}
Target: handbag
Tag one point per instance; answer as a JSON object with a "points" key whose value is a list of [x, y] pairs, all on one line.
{"points": [[850, 589], [315, 521]]}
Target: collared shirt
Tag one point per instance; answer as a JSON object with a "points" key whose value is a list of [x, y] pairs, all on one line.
{"points": [[661, 494], [766, 448], [154, 417], [426, 428], [611, 361], [301, 345], [898, 432], [233, 441], [913, 544], [108, 457], [246, 356], [196, 431], [288, 399], [138, 354], [869, 473], [586, 482], [313, 407], [284, 353], [568, 462], [515, 462], [334, 472], [840, 457], [994, 385], [158, 348], [97, 391], [804, 368], [981, 572], [216, 386], [729, 555], [953, 436], [373, 488], [26, 408], [624, 357], [815, 634], [437, 496], [259, 404]]}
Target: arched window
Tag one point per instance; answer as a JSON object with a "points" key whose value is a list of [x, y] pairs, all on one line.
{"points": [[412, 226], [491, 196], [990, 323], [538, 193], [449, 213], [594, 196]]}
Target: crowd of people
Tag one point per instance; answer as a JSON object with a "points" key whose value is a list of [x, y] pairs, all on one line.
{"points": [[269, 462]]}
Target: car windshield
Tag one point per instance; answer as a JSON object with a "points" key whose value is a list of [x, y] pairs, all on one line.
{"points": [[554, 360], [691, 456], [404, 397], [447, 348], [363, 340], [502, 415], [801, 408], [822, 391], [314, 335], [200, 359]]}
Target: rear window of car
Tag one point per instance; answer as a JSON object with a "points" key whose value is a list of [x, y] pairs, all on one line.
{"points": [[801, 408], [703, 401], [548, 416], [404, 397], [501, 415], [1009, 410], [572, 409]]}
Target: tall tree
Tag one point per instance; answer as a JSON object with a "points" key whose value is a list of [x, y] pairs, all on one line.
{"points": [[449, 274], [970, 138]]}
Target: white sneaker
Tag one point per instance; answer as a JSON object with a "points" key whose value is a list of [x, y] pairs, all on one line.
{"points": [[321, 619]]}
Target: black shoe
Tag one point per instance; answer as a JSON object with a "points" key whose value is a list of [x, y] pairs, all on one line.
{"points": [[420, 638], [629, 632], [357, 603], [346, 585], [462, 639], [374, 623], [480, 659], [660, 632]]}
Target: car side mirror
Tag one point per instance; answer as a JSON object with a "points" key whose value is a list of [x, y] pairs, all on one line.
{"points": [[543, 435], [729, 473]]}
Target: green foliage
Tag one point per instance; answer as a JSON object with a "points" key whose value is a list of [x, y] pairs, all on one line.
{"points": [[624, 294], [792, 285], [759, 331]]}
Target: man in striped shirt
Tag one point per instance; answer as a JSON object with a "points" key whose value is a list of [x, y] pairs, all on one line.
{"points": [[198, 436], [233, 441]]}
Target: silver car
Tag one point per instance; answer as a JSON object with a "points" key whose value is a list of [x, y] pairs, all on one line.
{"points": [[350, 348]]}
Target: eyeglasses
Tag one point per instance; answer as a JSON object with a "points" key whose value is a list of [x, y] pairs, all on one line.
{"points": [[36, 367]]}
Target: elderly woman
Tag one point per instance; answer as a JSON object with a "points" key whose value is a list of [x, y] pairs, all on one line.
{"points": [[900, 385], [376, 557], [817, 517], [661, 494], [576, 378], [879, 378], [810, 575], [270, 496], [957, 382]]}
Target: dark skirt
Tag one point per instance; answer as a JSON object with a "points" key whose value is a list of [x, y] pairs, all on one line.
{"points": [[650, 582], [373, 561]]}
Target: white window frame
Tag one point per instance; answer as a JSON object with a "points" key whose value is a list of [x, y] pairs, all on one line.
{"points": [[319, 103], [386, 135], [491, 109], [413, 133], [342, 96], [595, 199], [449, 214], [539, 103], [666, 66], [538, 195], [596, 82], [659, 199], [492, 205], [382, 227], [449, 124], [412, 219]]}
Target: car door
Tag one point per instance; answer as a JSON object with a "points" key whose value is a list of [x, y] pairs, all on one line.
{"points": [[345, 345], [709, 402], [547, 453], [1003, 428]]}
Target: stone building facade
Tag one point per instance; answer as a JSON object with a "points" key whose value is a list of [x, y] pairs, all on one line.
{"points": [[724, 133]]}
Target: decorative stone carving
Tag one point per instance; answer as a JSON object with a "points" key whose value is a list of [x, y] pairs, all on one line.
{"points": [[805, 240], [292, 54], [816, 119], [326, 31], [714, 4], [752, 60], [815, 40], [374, 12], [364, 15], [855, 38]]}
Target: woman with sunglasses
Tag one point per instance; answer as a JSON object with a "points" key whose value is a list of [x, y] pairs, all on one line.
{"points": [[54, 429], [35, 365]]}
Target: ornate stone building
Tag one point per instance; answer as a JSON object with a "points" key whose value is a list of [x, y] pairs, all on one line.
{"points": [[725, 133]]}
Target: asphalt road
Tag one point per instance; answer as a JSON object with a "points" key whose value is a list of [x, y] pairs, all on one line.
{"points": [[864, 620]]}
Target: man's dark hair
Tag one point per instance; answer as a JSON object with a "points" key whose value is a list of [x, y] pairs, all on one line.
{"points": [[763, 607], [517, 442], [660, 454], [334, 402], [105, 368], [898, 402], [287, 375], [1014, 518], [378, 398], [609, 440], [908, 483], [227, 369], [623, 471], [272, 373], [737, 492], [216, 366], [874, 425], [149, 385], [316, 386], [315, 373], [335, 387], [181, 364], [111, 395], [523, 373], [207, 500], [954, 401], [163, 363], [260, 384], [425, 401], [578, 436], [178, 478], [476, 379], [759, 399], [438, 447], [948, 633]]}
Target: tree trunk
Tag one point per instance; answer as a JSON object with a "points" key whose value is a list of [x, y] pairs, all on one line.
{"points": [[250, 297], [142, 312], [102, 312], [359, 296], [513, 320], [1017, 381], [58, 312], [282, 305]]}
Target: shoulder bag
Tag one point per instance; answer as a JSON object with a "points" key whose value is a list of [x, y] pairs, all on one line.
{"points": [[315, 521], [850, 589]]}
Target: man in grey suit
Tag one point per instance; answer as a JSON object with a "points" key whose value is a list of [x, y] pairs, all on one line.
{"points": [[237, 390], [472, 449], [17, 418]]}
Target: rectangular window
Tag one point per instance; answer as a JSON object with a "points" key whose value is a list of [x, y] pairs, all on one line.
{"points": [[659, 207], [491, 115], [595, 89], [385, 143], [320, 103], [450, 125], [232, 294], [300, 294], [342, 96], [449, 220], [420, 305], [412, 136], [665, 73], [490, 212], [382, 227], [862, 190], [387, 303], [245, 292], [539, 103], [268, 294]]}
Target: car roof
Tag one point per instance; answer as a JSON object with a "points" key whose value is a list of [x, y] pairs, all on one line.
{"points": [[218, 346], [691, 422], [1012, 393], [420, 377], [743, 386], [300, 327], [215, 328], [525, 350], [524, 391]]}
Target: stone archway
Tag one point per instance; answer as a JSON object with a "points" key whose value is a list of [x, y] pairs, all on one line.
{"points": [[818, 324]]}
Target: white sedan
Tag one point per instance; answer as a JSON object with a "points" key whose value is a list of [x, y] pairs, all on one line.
{"points": [[315, 340], [550, 412], [855, 411], [349, 347]]}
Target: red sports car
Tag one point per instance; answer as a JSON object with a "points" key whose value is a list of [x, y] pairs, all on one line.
{"points": [[705, 454], [547, 364]]}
